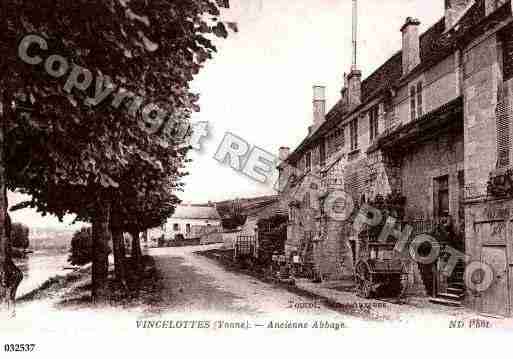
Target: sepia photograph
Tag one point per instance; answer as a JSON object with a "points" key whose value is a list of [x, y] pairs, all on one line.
{"points": [[202, 177]]}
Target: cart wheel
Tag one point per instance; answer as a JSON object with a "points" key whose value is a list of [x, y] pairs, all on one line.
{"points": [[363, 280]]}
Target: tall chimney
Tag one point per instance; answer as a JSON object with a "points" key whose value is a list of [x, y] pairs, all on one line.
{"points": [[411, 44], [284, 153], [319, 104], [355, 36], [354, 79], [454, 10]]}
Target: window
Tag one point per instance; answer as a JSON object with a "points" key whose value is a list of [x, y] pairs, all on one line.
{"points": [[416, 101], [419, 100], [373, 123], [502, 127], [353, 129], [412, 103], [322, 152], [442, 196], [176, 227], [308, 161], [339, 138], [223, 3], [306, 200], [496, 4], [188, 228], [292, 214]]}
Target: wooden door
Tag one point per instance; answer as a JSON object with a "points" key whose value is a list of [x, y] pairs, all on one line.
{"points": [[495, 299]]}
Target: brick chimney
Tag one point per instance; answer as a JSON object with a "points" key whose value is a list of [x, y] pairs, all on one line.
{"points": [[319, 104], [284, 153], [354, 87], [454, 10], [411, 44]]}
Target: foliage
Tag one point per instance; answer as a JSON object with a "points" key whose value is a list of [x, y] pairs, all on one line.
{"points": [[501, 184], [81, 251], [20, 236], [391, 205], [275, 223], [65, 153], [71, 156]]}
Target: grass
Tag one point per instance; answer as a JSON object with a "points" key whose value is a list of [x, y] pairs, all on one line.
{"points": [[73, 291]]}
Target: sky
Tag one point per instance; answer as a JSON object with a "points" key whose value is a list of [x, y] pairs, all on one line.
{"points": [[259, 84]]}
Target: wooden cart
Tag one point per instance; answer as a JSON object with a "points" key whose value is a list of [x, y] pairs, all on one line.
{"points": [[381, 275]]}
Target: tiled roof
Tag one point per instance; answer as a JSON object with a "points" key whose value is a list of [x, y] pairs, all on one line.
{"points": [[275, 205], [435, 45], [196, 212]]}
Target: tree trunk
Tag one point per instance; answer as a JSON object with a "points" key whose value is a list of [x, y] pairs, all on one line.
{"points": [[119, 257], [118, 247], [136, 247], [101, 237], [122, 247]]}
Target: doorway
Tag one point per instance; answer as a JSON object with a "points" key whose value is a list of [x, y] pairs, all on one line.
{"points": [[495, 299]]}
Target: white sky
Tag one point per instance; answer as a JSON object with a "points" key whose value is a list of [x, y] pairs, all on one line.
{"points": [[259, 85]]}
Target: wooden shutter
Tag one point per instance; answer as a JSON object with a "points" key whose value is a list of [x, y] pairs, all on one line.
{"points": [[503, 130], [507, 51]]}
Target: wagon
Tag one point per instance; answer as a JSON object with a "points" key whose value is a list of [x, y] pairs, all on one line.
{"points": [[381, 275]]}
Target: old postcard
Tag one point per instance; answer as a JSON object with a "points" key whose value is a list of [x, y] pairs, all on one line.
{"points": [[180, 173]]}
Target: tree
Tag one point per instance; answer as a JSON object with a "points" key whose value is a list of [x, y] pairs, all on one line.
{"points": [[20, 236], [81, 251], [67, 153]]}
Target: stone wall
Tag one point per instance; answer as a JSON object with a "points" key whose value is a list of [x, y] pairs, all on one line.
{"points": [[440, 86], [440, 156], [481, 78]]}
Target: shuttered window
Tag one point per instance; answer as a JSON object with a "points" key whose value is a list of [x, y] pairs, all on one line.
{"points": [[503, 130], [373, 123], [413, 108], [506, 37]]}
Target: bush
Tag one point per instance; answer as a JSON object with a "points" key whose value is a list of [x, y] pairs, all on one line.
{"points": [[20, 236], [81, 247]]}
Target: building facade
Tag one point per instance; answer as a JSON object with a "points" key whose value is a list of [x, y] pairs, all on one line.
{"points": [[424, 131], [189, 222]]}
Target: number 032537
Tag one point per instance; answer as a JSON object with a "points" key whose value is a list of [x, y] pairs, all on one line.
{"points": [[19, 347]]}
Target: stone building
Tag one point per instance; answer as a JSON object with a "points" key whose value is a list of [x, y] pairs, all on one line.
{"points": [[429, 125], [189, 221]]}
